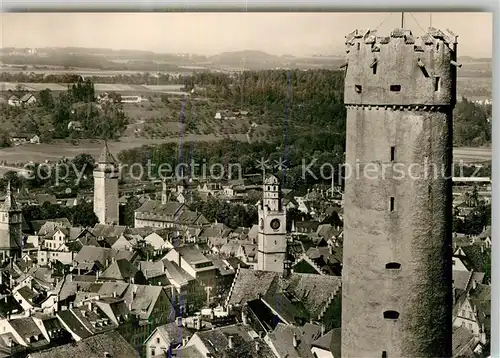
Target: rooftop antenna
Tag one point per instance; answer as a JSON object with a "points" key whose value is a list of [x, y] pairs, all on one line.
{"points": [[430, 19], [402, 20]]}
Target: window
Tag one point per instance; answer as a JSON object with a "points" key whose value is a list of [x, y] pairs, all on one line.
{"points": [[393, 266], [437, 84], [374, 69], [395, 88], [392, 204], [391, 315], [393, 153], [359, 45], [384, 354], [358, 88], [153, 352], [158, 340]]}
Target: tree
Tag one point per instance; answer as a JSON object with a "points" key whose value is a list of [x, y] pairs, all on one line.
{"points": [[16, 181], [5, 140], [83, 215], [127, 211], [84, 163], [45, 99]]}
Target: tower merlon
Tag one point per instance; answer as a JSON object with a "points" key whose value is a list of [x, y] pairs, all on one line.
{"points": [[401, 69]]}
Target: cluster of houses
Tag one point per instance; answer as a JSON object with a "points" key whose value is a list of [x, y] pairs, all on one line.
{"points": [[107, 98], [228, 114], [27, 99], [191, 288]]}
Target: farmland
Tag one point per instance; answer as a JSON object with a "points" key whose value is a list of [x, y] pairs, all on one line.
{"points": [[99, 87]]}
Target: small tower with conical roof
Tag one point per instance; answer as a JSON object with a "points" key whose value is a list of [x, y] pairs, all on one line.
{"points": [[10, 227], [272, 242], [106, 173]]}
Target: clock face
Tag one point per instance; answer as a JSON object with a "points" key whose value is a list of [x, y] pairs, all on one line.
{"points": [[275, 224]]}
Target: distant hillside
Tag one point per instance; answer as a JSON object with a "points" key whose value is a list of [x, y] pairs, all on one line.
{"points": [[136, 60]]}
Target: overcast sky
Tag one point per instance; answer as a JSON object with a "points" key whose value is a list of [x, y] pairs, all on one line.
{"points": [[210, 33]]}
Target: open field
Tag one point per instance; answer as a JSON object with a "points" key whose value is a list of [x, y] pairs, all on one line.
{"points": [[54, 151], [99, 87], [41, 152], [471, 154]]}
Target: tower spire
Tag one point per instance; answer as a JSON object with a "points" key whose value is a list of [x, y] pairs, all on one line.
{"points": [[9, 202]]}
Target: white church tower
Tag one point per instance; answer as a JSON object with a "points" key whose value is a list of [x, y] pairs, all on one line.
{"points": [[106, 175], [10, 227], [272, 243]]}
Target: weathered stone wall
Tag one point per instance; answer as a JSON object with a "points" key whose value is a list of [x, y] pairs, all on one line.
{"points": [[416, 233], [106, 205]]}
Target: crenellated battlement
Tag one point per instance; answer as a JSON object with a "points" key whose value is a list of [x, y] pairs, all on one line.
{"points": [[401, 69], [420, 44]]}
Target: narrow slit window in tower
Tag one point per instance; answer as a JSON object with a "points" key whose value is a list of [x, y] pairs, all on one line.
{"points": [[358, 88], [437, 84], [384, 354], [395, 88], [392, 204], [374, 68], [393, 153], [358, 45], [391, 315]]}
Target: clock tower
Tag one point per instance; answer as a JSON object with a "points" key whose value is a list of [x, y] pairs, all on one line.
{"points": [[272, 242]]}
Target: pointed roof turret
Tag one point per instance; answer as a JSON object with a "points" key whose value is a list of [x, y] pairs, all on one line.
{"points": [[271, 180], [10, 202], [106, 157]]}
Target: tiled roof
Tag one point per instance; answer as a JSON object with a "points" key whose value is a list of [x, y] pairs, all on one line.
{"points": [[191, 254], [188, 351], [92, 254], [106, 157], [73, 324], [120, 270], [461, 339], [156, 207], [151, 268], [9, 305], [176, 273], [103, 230], [93, 347], [27, 328], [249, 284], [282, 340]]}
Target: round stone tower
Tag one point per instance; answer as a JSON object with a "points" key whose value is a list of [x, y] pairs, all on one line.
{"points": [[397, 275]]}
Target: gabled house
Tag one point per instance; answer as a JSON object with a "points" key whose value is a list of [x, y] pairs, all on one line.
{"points": [[14, 101], [107, 344], [295, 299], [28, 99], [328, 345], [191, 260], [472, 310], [165, 338]]}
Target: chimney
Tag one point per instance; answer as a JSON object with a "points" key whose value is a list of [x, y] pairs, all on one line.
{"points": [[230, 342], [198, 323], [178, 258], [89, 305], [244, 317], [107, 262], [257, 346], [71, 305], [113, 260], [97, 275], [114, 294], [130, 306], [295, 342], [322, 329]]}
